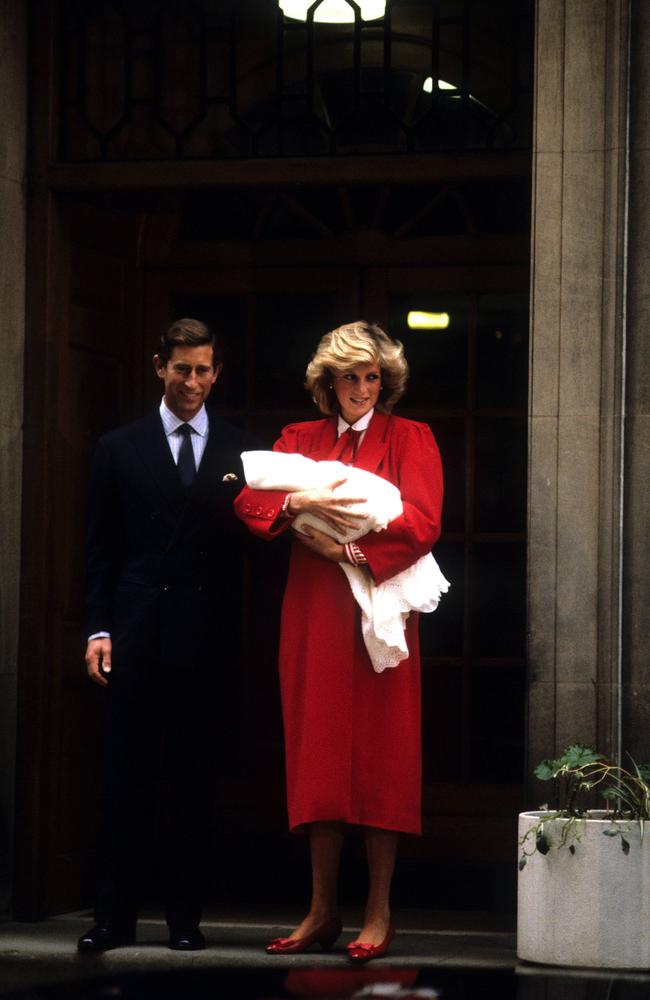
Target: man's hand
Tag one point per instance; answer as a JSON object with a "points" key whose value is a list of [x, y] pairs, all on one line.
{"points": [[324, 545], [322, 503], [98, 660]]}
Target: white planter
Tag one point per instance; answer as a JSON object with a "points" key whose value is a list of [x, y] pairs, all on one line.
{"points": [[590, 908]]}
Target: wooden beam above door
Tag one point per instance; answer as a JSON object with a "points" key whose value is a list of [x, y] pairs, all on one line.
{"points": [[405, 169]]}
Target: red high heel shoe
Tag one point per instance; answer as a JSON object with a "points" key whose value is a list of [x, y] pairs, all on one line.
{"points": [[359, 952], [325, 935]]}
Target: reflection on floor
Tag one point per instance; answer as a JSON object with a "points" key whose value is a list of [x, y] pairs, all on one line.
{"points": [[457, 956]]}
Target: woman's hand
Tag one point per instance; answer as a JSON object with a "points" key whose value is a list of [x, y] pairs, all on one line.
{"points": [[322, 503], [324, 545]]}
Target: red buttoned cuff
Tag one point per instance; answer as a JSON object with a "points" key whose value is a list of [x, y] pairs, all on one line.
{"points": [[354, 554], [257, 510]]}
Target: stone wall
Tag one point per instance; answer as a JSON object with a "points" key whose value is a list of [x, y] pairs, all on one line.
{"points": [[13, 124], [576, 382], [589, 496], [636, 579]]}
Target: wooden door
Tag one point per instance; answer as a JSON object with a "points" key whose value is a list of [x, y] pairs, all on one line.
{"points": [[82, 378], [469, 383]]}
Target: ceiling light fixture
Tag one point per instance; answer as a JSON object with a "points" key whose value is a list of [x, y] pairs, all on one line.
{"points": [[418, 320], [333, 11], [427, 86]]}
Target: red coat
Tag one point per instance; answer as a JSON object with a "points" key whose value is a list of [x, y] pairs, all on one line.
{"points": [[352, 736]]}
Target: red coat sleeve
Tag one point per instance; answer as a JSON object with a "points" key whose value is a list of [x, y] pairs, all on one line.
{"points": [[418, 475], [260, 509]]}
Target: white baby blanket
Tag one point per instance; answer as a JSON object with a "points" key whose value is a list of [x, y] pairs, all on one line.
{"points": [[384, 608]]}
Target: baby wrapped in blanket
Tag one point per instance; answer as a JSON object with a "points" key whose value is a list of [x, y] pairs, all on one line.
{"points": [[384, 608]]}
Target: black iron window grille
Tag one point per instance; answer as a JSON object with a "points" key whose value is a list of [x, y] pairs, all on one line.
{"points": [[218, 79]]}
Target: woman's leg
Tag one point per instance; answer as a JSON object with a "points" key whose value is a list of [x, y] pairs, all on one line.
{"points": [[325, 842], [381, 849]]}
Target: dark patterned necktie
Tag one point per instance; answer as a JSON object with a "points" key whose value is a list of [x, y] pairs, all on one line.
{"points": [[186, 463]]}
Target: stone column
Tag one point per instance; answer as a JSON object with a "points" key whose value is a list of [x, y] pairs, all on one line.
{"points": [[576, 376], [636, 573], [13, 124]]}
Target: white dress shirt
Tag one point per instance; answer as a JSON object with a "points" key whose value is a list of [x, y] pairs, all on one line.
{"points": [[198, 423], [361, 425]]}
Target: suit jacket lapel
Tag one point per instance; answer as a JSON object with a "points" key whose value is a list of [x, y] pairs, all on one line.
{"points": [[221, 457], [151, 444]]}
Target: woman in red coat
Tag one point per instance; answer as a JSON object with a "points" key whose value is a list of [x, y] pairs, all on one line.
{"points": [[352, 736]]}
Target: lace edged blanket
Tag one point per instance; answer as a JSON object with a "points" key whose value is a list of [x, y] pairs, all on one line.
{"points": [[385, 607]]}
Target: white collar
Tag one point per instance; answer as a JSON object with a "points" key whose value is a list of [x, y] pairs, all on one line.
{"points": [[199, 422], [360, 425]]}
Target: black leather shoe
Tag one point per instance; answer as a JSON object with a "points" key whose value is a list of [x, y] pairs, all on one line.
{"points": [[187, 940], [101, 938]]}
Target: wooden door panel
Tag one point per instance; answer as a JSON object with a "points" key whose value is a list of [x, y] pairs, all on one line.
{"points": [[95, 339]]}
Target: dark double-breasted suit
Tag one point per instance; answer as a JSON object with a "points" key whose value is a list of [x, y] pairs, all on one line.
{"points": [[163, 572]]}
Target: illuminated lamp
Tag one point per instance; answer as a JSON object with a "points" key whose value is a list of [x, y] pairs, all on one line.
{"points": [[427, 320], [427, 86], [333, 11]]}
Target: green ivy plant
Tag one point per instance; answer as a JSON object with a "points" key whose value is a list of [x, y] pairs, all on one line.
{"points": [[579, 772]]}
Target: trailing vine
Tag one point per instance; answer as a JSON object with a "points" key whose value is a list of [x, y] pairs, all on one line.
{"points": [[579, 772]]}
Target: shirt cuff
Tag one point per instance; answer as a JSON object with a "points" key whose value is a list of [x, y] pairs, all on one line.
{"points": [[354, 554], [99, 635], [284, 509]]}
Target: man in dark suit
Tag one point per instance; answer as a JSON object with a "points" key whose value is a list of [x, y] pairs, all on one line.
{"points": [[163, 566]]}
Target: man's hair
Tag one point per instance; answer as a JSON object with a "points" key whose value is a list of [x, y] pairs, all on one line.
{"points": [[188, 333], [359, 343]]}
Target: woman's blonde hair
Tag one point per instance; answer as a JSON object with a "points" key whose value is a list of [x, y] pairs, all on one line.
{"points": [[359, 343]]}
